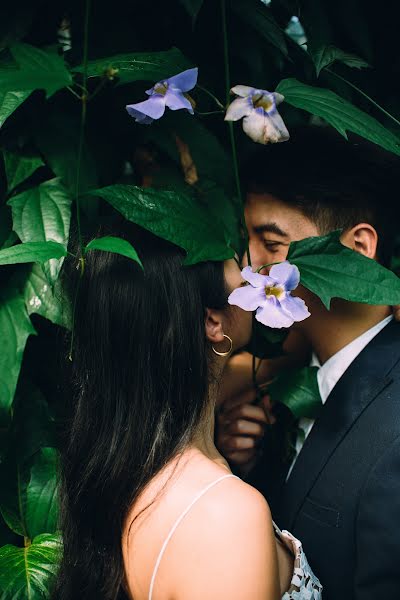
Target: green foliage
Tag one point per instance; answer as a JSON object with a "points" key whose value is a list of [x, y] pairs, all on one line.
{"points": [[27, 572], [9, 102], [337, 111], [19, 167], [110, 243], [327, 55], [299, 391], [32, 252], [173, 217], [331, 270]]}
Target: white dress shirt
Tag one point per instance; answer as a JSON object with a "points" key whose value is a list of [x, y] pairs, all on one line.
{"points": [[330, 372]]}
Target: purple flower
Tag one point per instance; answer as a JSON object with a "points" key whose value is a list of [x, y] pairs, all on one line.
{"points": [[170, 92], [269, 295], [261, 120]]}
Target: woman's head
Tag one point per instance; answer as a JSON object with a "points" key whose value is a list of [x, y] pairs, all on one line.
{"points": [[142, 365]]}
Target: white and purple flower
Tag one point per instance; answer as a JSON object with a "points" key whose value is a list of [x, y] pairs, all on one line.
{"points": [[261, 119], [269, 295], [169, 92]]}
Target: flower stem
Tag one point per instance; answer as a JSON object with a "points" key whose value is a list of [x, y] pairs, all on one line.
{"points": [[231, 131], [385, 112], [211, 112], [206, 91]]}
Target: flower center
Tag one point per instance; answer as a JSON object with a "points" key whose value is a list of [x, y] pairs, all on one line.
{"points": [[161, 88], [263, 101], [271, 290]]}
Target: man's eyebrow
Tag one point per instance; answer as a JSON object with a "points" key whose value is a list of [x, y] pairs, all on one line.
{"points": [[270, 228]]}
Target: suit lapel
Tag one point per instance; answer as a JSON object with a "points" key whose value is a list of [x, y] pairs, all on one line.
{"points": [[362, 382]]}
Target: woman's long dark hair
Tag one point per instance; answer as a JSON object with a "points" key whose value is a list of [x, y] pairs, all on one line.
{"points": [[140, 373]]}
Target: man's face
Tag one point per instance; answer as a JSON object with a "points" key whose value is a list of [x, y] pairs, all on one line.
{"points": [[272, 225]]}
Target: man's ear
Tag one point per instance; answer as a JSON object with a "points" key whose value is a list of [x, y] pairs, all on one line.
{"points": [[213, 324], [362, 238]]}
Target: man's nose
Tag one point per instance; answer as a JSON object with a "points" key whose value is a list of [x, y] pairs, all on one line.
{"points": [[257, 258]]}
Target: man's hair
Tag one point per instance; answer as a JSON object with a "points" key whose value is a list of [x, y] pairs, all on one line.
{"points": [[334, 182]]}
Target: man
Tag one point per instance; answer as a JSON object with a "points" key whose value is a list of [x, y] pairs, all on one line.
{"points": [[341, 496]]}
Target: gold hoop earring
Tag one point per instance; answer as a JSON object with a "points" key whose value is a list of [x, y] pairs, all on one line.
{"points": [[227, 353]]}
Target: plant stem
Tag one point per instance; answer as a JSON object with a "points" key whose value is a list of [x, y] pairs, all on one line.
{"points": [[211, 112], [231, 131], [385, 112], [205, 90]]}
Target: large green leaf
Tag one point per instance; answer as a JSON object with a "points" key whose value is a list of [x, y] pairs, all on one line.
{"points": [[325, 56], [110, 243], [43, 213], [331, 270], [46, 300], [32, 252], [40, 498], [9, 102], [19, 167], [137, 66], [259, 18], [340, 113], [299, 391], [15, 327], [37, 69], [173, 217], [27, 573]]}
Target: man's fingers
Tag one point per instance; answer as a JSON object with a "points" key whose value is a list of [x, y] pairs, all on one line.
{"points": [[249, 412], [396, 312], [244, 427], [231, 443], [241, 458]]}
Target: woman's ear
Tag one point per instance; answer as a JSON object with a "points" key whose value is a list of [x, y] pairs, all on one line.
{"points": [[213, 324], [362, 238]]}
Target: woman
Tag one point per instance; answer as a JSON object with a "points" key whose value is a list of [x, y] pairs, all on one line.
{"points": [[150, 509]]}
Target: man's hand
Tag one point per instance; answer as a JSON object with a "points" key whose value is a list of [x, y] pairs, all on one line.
{"points": [[396, 312], [241, 426]]}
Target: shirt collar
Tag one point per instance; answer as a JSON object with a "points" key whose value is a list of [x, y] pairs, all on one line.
{"points": [[330, 372]]}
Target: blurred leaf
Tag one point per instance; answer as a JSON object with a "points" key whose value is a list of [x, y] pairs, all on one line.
{"points": [[110, 243], [331, 270], [19, 167], [37, 70], [9, 102], [43, 213], [173, 217], [192, 7], [138, 66], [255, 14], [325, 56], [340, 113], [27, 573], [299, 391], [40, 500], [32, 252], [47, 301], [266, 342], [15, 327]]}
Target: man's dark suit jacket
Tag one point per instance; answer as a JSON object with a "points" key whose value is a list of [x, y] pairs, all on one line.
{"points": [[342, 499]]}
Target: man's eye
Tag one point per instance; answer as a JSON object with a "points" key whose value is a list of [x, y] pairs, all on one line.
{"points": [[272, 247]]}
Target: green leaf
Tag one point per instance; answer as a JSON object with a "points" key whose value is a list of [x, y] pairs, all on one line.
{"points": [[32, 252], [19, 167], [37, 69], [192, 7], [325, 56], [340, 113], [40, 499], [43, 213], [138, 66], [259, 18], [28, 573], [299, 391], [173, 217], [15, 327], [110, 243], [331, 270], [47, 301], [9, 102]]}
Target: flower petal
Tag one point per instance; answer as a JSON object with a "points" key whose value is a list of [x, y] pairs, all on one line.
{"points": [[256, 279], [242, 90], [278, 98], [295, 307], [184, 81], [263, 128], [286, 274], [247, 297], [272, 315], [138, 116], [175, 100], [239, 108], [154, 107]]}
